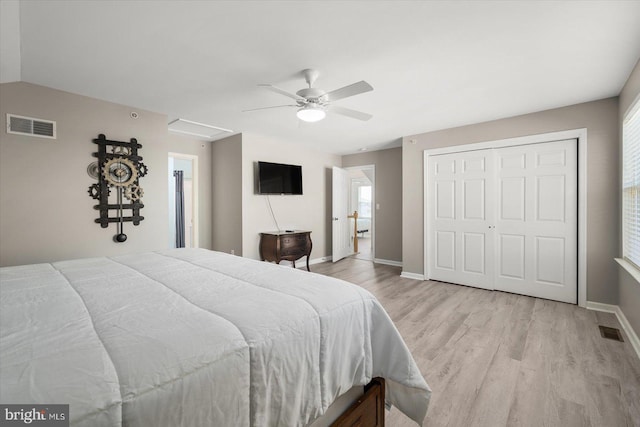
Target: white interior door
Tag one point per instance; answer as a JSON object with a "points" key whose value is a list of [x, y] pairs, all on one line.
{"points": [[461, 218], [341, 242], [536, 222], [506, 219]]}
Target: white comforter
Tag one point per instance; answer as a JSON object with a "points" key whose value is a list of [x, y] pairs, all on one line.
{"points": [[191, 337]]}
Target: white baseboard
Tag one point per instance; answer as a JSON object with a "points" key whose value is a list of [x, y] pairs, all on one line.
{"points": [[387, 262], [302, 263], [624, 322], [415, 276], [598, 306], [320, 260]]}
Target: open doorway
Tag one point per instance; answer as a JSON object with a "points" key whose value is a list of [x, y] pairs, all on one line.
{"points": [[361, 199], [183, 200]]}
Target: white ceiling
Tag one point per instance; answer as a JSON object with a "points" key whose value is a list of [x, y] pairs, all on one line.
{"points": [[433, 65]]}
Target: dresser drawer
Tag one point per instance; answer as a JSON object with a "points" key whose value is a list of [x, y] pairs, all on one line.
{"points": [[293, 251], [297, 240]]}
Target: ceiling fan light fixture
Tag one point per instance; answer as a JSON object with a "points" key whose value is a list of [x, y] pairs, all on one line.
{"points": [[311, 113]]}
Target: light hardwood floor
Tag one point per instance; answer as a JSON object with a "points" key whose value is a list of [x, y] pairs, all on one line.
{"points": [[498, 359]]}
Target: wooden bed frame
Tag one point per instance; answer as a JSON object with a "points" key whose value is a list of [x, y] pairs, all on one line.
{"points": [[368, 410]]}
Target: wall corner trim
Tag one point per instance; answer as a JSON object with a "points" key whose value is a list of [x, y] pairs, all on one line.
{"points": [[633, 271], [628, 329], [414, 276]]}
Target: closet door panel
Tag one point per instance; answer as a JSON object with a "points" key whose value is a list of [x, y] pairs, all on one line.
{"points": [[540, 212], [459, 209]]}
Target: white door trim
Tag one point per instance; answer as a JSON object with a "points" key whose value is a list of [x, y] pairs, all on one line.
{"points": [[371, 167], [581, 136], [194, 162]]}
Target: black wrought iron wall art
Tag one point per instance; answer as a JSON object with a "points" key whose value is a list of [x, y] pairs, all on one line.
{"points": [[119, 168]]}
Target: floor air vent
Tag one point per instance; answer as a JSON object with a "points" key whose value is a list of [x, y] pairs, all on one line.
{"points": [[30, 126], [610, 333]]}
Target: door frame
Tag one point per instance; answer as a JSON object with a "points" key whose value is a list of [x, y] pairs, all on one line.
{"points": [[371, 167], [194, 162], [580, 135]]}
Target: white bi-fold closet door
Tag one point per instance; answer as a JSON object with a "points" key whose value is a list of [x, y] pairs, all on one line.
{"points": [[505, 219]]}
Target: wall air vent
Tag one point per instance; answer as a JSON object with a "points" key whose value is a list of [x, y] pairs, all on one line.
{"points": [[30, 126]]}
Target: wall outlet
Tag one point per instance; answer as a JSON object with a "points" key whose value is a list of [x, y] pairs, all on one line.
{"points": [[233, 251]]}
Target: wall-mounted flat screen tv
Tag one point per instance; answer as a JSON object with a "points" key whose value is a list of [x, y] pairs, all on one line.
{"points": [[277, 178]]}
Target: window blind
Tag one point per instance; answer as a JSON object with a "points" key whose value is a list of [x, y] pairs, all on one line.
{"points": [[631, 185]]}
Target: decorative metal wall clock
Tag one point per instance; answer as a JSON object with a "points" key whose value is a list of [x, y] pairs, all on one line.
{"points": [[119, 168]]}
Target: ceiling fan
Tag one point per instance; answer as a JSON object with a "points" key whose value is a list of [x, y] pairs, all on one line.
{"points": [[314, 103]]}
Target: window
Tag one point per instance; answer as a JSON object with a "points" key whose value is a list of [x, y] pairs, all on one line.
{"points": [[631, 185], [364, 201]]}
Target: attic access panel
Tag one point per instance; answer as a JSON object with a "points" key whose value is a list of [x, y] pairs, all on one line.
{"points": [[201, 130]]}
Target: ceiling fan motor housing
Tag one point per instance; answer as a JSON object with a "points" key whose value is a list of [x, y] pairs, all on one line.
{"points": [[312, 93]]}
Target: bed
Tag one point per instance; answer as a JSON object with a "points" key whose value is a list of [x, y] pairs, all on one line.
{"points": [[191, 337]]}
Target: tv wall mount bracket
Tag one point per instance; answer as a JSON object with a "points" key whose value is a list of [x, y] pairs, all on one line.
{"points": [[119, 168]]}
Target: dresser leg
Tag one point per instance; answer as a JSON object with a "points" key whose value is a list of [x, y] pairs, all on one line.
{"points": [[294, 264], [308, 263]]}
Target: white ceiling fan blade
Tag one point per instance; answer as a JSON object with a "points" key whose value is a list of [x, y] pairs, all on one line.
{"points": [[351, 90], [350, 113], [282, 92], [266, 108]]}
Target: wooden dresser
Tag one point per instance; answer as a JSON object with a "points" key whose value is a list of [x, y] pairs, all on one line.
{"points": [[287, 245]]}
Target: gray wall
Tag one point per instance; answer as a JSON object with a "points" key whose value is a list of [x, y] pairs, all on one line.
{"points": [[226, 176], [310, 211], [629, 288], [600, 118], [183, 144], [46, 213], [388, 194]]}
